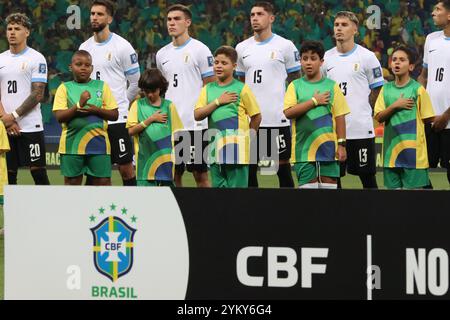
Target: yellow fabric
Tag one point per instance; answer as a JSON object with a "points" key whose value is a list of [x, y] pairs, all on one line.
{"points": [[4, 147], [290, 98]]}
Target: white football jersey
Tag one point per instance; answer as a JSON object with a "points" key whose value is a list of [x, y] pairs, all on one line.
{"points": [[17, 73], [185, 67], [265, 66], [357, 72], [113, 60], [436, 59]]}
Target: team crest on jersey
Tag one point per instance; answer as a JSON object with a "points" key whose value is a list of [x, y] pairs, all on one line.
{"points": [[109, 56], [99, 94], [42, 68], [273, 55], [113, 245], [133, 58], [377, 73], [210, 61], [24, 65], [356, 67], [186, 58]]}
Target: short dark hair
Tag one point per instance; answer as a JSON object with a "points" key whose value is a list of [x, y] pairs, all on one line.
{"points": [[446, 4], [83, 53], [314, 47], [227, 51], [410, 52], [179, 7], [107, 4], [267, 6], [153, 79], [19, 18]]}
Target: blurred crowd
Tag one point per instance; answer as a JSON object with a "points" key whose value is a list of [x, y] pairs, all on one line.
{"points": [[142, 23]]}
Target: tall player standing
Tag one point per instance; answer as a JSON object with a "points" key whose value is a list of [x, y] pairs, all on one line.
{"points": [[359, 75], [265, 62], [115, 62], [23, 77], [188, 65], [435, 77]]}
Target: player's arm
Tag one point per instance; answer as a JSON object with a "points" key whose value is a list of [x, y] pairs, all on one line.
{"points": [[203, 109], [401, 104], [36, 96], [341, 134], [440, 122], [293, 76], [293, 110], [65, 114], [423, 77], [374, 93]]}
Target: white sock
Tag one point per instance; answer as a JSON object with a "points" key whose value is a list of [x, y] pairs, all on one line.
{"points": [[327, 186], [314, 185]]}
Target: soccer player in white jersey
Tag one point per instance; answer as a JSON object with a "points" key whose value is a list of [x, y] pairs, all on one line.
{"points": [[188, 65], [23, 77], [115, 62], [359, 75], [265, 62], [435, 77]]}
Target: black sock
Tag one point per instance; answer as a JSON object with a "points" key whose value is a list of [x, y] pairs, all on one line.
{"points": [[89, 180], [252, 176], [130, 182], [369, 181], [285, 176], [339, 185], [40, 177], [12, 177], [448, 175]]}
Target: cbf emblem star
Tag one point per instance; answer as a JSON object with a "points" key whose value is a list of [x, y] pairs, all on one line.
{"points": [[113, 246]]}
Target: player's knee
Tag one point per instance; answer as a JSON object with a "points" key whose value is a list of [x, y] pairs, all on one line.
{"points": [[127, 171], [40, 176]]}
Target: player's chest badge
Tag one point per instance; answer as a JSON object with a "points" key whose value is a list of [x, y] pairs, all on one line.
{"points": [[23, 66], [99, 94], [356, 67], [186, 58], [109, 56], [273, 55]]}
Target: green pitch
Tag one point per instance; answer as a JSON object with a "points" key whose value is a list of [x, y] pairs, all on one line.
{"points": [[438, 179]]}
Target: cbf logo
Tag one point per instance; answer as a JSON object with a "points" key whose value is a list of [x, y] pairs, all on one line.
{"points": [[113, 243]]}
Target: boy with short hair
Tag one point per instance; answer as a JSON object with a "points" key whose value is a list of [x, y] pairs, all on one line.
{"points": [[84, 107], [228, 103], [404, 106], [317, 108], [152, 121]]}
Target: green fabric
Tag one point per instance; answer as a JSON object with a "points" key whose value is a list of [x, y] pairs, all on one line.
{"points": [[404, 178], [229, 175], [98, 166], [155, 142], [309, 171]]}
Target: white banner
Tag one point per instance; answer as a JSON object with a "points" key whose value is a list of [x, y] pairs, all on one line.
{"points": [[94, 243]]}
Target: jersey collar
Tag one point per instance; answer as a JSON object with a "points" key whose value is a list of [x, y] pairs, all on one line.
{"points": [[106, 41], [348, 53], [265, 41], [183, 45], [20, 53]]}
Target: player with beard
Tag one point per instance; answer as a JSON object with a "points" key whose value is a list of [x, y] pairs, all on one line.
{"points": [[115, 62]]}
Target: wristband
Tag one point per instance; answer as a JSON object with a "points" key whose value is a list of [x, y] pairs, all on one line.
{"points": [[342, 142], [15, 114], [314, 100], [217, 102], [78, 105], [143, 124]]}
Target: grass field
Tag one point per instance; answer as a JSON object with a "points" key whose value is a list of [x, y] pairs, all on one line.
{"points": [[438, 179]]}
